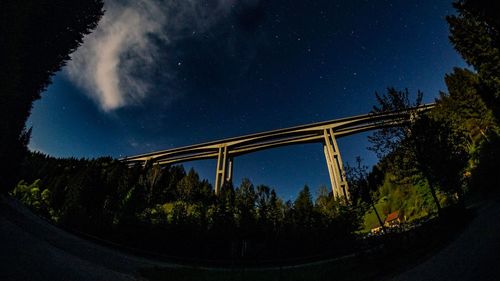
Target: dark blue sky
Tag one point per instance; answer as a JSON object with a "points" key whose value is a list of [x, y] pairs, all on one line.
{"points": [[260, 66]]}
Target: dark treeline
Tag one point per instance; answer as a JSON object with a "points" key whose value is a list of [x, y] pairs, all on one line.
{"points": [[440, 156], [37, 38], [169, 211]]}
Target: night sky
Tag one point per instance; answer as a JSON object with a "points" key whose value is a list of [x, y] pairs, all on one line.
{"points": [[158, 75]]}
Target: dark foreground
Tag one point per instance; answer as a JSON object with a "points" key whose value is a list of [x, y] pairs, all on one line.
{"points": [[33, 249], [473, 255]]}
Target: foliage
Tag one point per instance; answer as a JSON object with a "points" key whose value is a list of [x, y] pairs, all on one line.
{"points": [[441, 153], [382, 191], [475, 35], [37, 38], [463, 107], [32, 196], [387, 140], [484, 175], [438, 145], [357, 177], [411, 197], [139, 206], [474, 32]]}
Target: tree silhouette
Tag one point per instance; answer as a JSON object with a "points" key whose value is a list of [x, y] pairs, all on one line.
{"points": [[464, 107], [475, 34], [440, 153], [361, 183], [304, 208], [386, 141], [245, 206], [37, 38], [108, 199]]}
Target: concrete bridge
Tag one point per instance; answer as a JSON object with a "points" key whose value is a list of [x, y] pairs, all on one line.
{"points": [[326, 132]]}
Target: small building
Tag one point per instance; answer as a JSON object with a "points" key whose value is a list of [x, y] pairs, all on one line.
{"points": [[376, 230], [393, 219]]}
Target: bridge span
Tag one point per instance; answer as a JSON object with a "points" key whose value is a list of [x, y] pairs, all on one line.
{"points": [[326, 132]]}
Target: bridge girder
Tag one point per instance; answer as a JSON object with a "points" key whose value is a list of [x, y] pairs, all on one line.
{"points": [[326, 133]]}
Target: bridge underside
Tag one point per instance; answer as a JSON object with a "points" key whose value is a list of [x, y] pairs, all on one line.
{"points": [[326, 133]]}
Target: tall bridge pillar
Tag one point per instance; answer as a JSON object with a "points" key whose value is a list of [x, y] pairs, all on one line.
{"points": [[316, 132], [224, 169], [335, 166]]}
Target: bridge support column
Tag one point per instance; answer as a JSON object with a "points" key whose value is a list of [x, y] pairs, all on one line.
{"points": [[229, 176], [224, 169], [335, 166]]}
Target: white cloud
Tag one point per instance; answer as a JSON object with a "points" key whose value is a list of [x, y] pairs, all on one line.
{"points": [[126, 43]]}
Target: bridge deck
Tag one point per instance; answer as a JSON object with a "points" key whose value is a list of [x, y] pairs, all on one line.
{"points": [[309, 133]]}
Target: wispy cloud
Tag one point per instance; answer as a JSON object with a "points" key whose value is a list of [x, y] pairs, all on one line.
{"points": [[116, 60]]}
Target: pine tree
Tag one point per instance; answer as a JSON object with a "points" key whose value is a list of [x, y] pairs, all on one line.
{"points": [[475, 35], [304, 207], [37, 38], [245, 205]]}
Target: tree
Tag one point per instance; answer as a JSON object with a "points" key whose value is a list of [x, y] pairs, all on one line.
{"points": [[391, 143], [152, 174], [37, 38], [440, 153], [262, 202], [169, 191], [275, 211], [323, 199], [474, 32], [415, 149], [224, 221], [359, 182], [189, 188], [485, 176], [467, 127], [304, 207], [463, 106], [387, 140], [357, 177], [245, 205]]}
